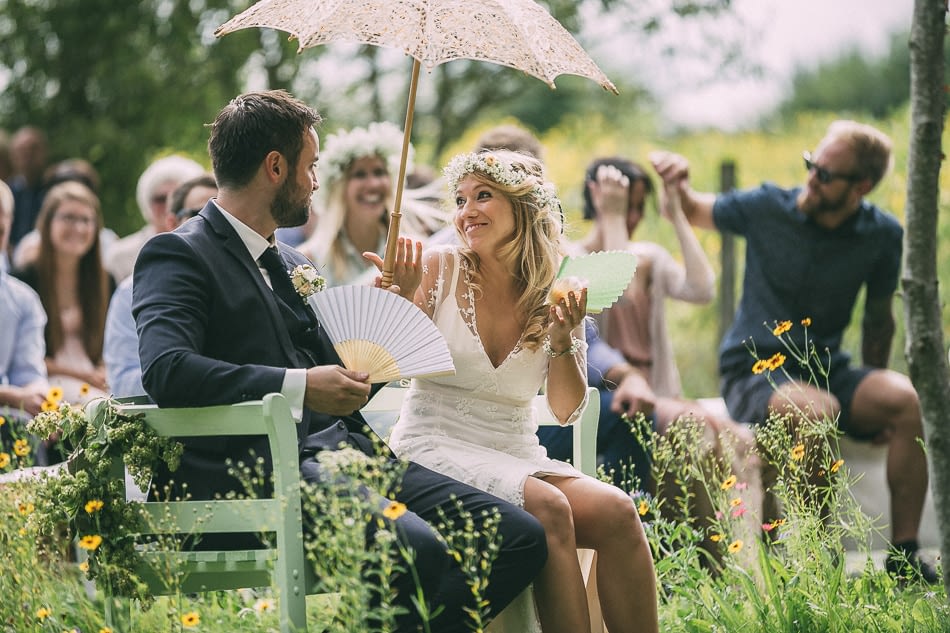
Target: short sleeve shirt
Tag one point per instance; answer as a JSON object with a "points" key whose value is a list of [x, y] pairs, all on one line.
{"points": [[796, 269]]}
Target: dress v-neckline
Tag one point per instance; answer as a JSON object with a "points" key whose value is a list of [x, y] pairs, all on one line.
{"points": [[469, 295]]}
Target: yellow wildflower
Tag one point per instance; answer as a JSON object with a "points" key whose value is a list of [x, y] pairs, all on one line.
{"points": [[105, 629], [54, 395], [806, 321], [837, 465], [93, 505], [3, 420], [21, 447], [735, 546], [42, 613], [715, 538], [777, 360], [26, 508], [190, 620], [394, 510], [760, 366], [84, 567], [47, 406], [735, 502], [83, 389], [798, 452], [90, 542], [4, 460], [643, 508], [729, 482], [782, 328]]}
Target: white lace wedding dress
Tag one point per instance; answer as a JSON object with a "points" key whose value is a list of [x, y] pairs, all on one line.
{"points": [[478, 426]]}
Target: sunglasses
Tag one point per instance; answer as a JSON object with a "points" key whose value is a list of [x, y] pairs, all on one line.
{"points": [[824, 176]]}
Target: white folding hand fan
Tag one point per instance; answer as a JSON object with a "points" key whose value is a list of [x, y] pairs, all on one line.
{"points": [[379, 332], [608, 274]]}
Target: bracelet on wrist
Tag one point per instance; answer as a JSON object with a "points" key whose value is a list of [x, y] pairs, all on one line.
{"points": [[573, 349]]}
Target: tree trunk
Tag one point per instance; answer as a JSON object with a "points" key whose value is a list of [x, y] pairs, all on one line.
{"points": [[926, 358]]}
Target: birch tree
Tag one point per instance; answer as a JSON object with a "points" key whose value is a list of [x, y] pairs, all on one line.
{"points": [[926, 355]]}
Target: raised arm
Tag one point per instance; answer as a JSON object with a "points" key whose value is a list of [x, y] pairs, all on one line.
{"points": [[694, 280], [610, 196], [674, 170]]}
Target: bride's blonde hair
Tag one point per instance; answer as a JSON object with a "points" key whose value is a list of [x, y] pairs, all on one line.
{"points": [[533, 252]]}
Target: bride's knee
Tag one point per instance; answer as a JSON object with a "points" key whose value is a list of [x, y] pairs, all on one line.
{"points": [[553, 510]]}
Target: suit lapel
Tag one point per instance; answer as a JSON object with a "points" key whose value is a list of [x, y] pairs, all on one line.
{"points": [[232, 244]]}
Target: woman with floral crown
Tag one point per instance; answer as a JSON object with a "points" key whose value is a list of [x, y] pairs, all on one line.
{"points": [[508, 334], [358, 170]]}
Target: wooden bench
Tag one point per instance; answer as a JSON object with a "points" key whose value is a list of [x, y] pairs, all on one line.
{"points": [[282, 566]]}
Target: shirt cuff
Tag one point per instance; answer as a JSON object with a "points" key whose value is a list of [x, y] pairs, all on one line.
{"points": [[294, 388]]}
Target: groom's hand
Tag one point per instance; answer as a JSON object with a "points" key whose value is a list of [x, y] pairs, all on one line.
{"points": [[334, 390]]}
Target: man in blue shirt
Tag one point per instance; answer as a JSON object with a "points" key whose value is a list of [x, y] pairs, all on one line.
{"points": [[809, 251], [23, 383]]}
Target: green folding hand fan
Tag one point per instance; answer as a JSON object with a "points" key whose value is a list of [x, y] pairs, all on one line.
{"points": [[608, 273]]}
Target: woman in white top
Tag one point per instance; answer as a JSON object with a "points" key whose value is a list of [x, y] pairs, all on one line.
{"points": [[353, 204]]}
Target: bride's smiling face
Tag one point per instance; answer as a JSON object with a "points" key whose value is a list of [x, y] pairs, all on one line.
{"points": [[483, 214]]}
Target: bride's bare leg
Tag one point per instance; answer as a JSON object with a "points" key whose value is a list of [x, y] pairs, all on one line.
{"points": [[559, 588], [606, 520]]}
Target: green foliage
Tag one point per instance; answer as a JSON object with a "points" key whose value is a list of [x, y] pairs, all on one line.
{"points": [[852, 81], [121, 83]]}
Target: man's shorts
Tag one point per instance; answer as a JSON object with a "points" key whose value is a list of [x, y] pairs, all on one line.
{"points": [[747, 394]]}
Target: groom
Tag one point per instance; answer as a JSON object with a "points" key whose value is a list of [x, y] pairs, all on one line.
{"points": [[219, 323]]}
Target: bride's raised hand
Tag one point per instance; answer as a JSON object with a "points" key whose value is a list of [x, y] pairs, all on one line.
{"points": [[565, 315], [407, 267]]}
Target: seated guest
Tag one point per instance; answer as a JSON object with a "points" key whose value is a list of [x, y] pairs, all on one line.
{"points": [[74, 288], [121, 346], [23, 385], [615, 195], [353, 205], [151, 193], [77, 169]]}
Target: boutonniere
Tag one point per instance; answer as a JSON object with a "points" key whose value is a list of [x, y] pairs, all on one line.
{"points": [[307, 280]]}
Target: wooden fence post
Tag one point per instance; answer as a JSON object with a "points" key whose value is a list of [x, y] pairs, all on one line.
{"points": [[727, 257]]}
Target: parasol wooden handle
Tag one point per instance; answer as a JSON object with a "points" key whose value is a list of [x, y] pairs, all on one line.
{"points": [[389, 259]]}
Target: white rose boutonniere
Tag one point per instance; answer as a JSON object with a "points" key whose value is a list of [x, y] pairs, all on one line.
{"points": [[307, 280]]}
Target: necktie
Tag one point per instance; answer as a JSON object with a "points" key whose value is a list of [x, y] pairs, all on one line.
{"points": [[274, 264]]}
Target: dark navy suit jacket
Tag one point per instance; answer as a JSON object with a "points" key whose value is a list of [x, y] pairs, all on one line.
{"points": [[211, 332]]}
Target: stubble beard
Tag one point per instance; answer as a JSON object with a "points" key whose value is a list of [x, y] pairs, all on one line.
{"points": [[817, 204], [286, 211]]}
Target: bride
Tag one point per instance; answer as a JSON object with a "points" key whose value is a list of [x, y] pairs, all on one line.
{"points": [[489, 297]]}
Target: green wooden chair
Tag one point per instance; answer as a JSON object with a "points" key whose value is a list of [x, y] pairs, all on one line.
{"points": [[283, 566]]}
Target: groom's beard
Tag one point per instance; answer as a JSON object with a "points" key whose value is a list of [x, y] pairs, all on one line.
{"points": [[288, 211]]}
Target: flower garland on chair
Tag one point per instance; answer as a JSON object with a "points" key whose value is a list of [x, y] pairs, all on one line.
{"points": [[88, 500]]}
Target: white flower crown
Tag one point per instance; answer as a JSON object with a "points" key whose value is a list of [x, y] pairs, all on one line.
{"points": [[499, 172], [381, 139]]}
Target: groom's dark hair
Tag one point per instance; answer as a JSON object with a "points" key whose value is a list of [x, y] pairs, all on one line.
{"points": [[252, 125]]}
